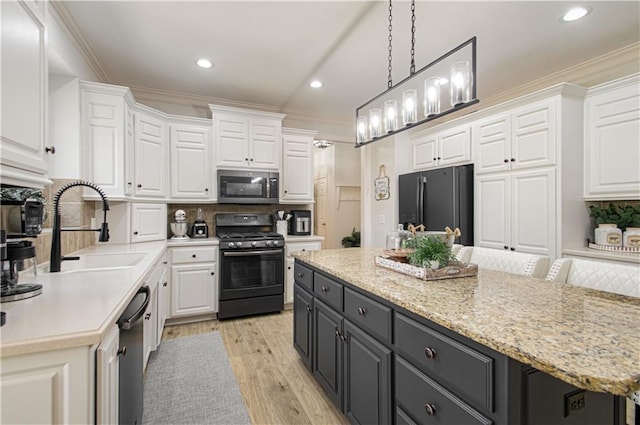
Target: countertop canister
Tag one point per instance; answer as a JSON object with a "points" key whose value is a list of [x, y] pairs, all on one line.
{"points": [[631, 238], [608, 234]]}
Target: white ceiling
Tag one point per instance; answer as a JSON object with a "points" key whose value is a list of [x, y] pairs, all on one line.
{"points": [[266, 52]]}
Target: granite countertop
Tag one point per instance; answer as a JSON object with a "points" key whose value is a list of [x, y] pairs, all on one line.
{"points": [[584, 337], [75, 308]]}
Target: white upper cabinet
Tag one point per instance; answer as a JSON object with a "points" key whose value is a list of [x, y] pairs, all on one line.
{"points": [[24, 93], [246, 138], [523, 138], [151, 156], [191, 170], [107, 138], [296, 184], [148, 222], [612, 135], [447, 147]]}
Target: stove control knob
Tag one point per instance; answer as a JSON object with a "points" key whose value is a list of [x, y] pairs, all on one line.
{"points": [[268, 243], [238, 244], [254, 243], [231, 245], [276, 243]]}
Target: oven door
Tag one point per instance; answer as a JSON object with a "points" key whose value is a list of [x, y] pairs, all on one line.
{"points": [[251, 273]]}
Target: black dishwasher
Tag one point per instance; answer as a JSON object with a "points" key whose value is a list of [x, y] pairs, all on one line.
{"points": [[131, 348]]}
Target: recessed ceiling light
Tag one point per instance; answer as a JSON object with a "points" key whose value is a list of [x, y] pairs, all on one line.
{"points": [[316, 84], [576, 13], [204, 63]]}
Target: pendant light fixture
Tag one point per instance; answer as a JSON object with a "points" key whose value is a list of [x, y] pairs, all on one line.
{"points": [[446, 85]]}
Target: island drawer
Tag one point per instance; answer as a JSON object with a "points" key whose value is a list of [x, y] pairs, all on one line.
{"points": [[370, 315], [303, 275], [292, 247], [328, 291], [427, 402], [447, 360], [194, 255]]}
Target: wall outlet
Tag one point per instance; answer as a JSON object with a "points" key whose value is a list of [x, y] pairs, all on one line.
{"points": [[574, 401]]}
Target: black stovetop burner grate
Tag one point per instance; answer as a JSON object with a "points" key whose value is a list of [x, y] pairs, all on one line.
{"points": [[248, 235]]}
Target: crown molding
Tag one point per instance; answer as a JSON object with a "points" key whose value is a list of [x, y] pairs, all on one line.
{"points": [[60, 13]]}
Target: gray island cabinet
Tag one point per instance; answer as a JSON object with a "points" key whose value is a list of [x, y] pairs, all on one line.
{"points": [[382, 361]]}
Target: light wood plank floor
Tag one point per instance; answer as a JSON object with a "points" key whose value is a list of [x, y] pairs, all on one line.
{"points": [[276, 386]]}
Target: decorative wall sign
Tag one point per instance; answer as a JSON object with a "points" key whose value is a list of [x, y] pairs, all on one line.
{"points": [[382, 185]]}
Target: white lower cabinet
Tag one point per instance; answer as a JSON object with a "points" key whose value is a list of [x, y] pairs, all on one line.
{"points": [[311, 244], [517, 211], [194, 281], [164, 300], [50, 387], [149, 325], [107, 378]]}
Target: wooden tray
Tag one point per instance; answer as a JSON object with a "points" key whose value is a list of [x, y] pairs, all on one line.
{"points": [[398, 256], [449, 272]]}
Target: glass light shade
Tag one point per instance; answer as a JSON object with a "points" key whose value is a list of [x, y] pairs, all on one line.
{"points": [[409, 106], [361, 131], [375, 122], [431, 96], [460, 83], [390, 115]]}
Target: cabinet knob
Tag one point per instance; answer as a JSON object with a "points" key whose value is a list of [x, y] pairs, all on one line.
{"points": [[506, 247], [164, 262], [51, 150], [300, 275], [506, 160], [251, 160], [324, 288], [309, 308], [439, 158], [206, 189], [430, 353], [434, 158], [430, 408], [246, 159], [361, 311], [304, 249], [213, 273], [513, 160], [193, 256], [129, 183], [122, 351], [288, 267], [165, 284], [285, 191], [512, 249], [147, 316], [139, 185], [135, 233]]}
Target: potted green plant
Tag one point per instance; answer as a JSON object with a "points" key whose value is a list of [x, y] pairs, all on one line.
{"points": [[351, 241], [622, 217], [432, 253]]}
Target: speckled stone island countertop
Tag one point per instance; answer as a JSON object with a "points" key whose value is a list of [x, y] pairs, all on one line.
{"points": [[587, 338]]}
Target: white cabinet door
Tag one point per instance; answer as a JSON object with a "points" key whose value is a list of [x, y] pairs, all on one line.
{"points": [[164, 299], [149, 328], [129, 149], [193, 289], [107, 378], [148, 222], [24, 92], [289, 281], [493, 211], [150, 156], [612, 150], [448, 147], [103, 140], [190, 162], [534, 138], [264, 144], [533, 212], [296, 183], [424, 151], [517, 211], [454, 146], [231, 139], [492, 144]]}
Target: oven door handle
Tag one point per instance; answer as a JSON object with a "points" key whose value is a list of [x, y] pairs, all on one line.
{"points": [[252, 253]]}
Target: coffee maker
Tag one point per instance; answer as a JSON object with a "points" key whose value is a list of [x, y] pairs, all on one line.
{"points": [[300, 222], [14, 259]]}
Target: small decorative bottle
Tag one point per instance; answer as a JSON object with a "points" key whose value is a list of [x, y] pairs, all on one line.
{"points": [[631, 238], [399, 240], [608, 235]]}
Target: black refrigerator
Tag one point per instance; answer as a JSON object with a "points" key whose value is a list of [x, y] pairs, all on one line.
{"points": [[437, 199]]}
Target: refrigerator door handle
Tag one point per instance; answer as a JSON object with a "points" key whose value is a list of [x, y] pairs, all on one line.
{"points": [[422, 186]]}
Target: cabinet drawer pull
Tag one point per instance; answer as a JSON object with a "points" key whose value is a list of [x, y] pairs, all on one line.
{"points": [[147, 316], [51, 149], [430, 408], [300, 275], [165, 284], [309, 308], [339, 335], [361, 311], [135, 233], [430, 353], [324, 288], [122, 351], [139, 185]]}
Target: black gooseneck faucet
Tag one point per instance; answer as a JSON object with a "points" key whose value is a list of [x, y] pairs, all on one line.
{"points": [[56, 250]]}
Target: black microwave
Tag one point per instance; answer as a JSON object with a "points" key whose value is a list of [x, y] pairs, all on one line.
{"points": [[247, 187]]}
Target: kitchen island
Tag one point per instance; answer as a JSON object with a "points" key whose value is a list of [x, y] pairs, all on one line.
{"points": [[513, 326]]}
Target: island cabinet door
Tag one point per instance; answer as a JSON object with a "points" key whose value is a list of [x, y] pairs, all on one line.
{"points": [[327, 350], [367, 378], [302, 323]]}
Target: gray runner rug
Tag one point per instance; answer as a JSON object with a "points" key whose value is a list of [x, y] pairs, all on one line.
{"points": [[189, 380]]}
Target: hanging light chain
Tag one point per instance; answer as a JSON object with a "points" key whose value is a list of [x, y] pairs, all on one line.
{"points": [[389, 81], [412, 69]]}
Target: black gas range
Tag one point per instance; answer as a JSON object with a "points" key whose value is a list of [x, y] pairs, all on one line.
{"points": [[251, 265]]}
